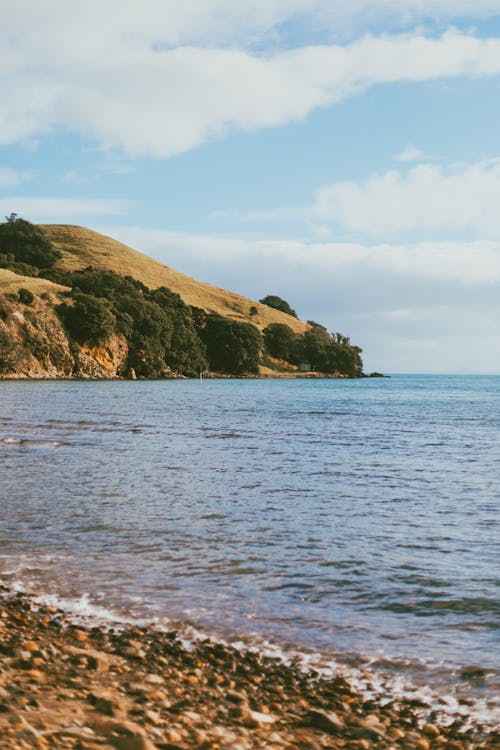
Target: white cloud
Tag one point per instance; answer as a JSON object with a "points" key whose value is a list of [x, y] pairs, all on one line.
{"points": [[120, 79], [46, 210], [424, 200], [462, 264], [410, 153], [70, 26]]}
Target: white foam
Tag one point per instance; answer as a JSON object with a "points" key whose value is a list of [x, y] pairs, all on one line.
{"points": [[82, 610], [29, 442]]}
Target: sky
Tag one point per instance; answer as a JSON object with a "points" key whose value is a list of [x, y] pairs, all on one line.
{"points": [[342, 155]]}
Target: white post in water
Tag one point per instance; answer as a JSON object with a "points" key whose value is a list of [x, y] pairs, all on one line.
{"points": [[201, 377]]}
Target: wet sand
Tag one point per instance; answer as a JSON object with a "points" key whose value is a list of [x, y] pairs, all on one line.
{"points": [[93, 688]]}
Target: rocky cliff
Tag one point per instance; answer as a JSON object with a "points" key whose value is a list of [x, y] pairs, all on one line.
{"points": [[34, 344]]}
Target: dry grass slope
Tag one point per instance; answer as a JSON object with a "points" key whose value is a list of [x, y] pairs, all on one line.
{"points": [[11, 282], [83, 247]]}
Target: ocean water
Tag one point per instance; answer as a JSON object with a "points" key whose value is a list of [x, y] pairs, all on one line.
{"points": [[351, 522]]}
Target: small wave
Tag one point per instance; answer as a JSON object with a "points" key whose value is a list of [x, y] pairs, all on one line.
{"points": [[431, 607], [84, 610], [32, 442]]}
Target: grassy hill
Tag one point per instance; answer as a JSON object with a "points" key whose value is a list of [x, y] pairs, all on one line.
{"points": [[82, 247], [11, 282], [124, 314]]}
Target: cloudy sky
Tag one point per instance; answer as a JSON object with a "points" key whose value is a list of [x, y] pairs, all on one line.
{"points": [[343, 155]]}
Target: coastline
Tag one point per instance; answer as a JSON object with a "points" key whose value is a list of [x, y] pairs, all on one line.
{"points": [[206, 376], [64, 685]]}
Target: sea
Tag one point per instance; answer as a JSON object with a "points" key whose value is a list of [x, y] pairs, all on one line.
{"points": [[347, 525]]}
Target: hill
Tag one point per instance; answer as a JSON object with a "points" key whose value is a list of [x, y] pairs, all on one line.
{"points": [[82, 247], [11, 282], [74, 303]]}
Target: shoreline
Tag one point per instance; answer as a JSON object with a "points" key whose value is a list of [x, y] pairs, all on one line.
{"points": [[206, 376], [64, 685]]}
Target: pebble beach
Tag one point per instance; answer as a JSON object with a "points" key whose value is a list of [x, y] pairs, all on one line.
{"points": [[137, 688]]}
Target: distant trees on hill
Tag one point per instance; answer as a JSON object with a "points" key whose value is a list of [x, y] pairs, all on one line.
{"points": [[281, 341], [278, 304], [24, 248], [157, 324], [232, 347], [322, 351], [88, 319]]}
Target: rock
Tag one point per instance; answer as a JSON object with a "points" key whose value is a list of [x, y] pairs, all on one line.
{"points": [[430, 730], [395, 733], [190, 718], [251, 718], [35, 674], [97, 662], [153, 717], [235, 697], [154, 679], [200, 738], [136, 742], [473, 673], [105, 703], [29, 646], [369, 728], [123, 735], [134, 652], [173, 735], [422, 744], [326, 721]]}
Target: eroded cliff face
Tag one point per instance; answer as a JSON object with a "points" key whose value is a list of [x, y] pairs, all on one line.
{"points": [[34, 344]]}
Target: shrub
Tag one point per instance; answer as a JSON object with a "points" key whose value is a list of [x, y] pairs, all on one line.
{"points": [[4, 312], [25, 296], [88, 319], [278, 304]]}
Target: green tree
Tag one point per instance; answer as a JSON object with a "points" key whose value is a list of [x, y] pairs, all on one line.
{"points": [[232, 347], [158, 325], [88, 319], [280, 341], [278, 304], [26, 243], [327, 352]]}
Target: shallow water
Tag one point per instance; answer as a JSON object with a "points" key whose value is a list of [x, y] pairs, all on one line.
{"points": [[354, 519]]}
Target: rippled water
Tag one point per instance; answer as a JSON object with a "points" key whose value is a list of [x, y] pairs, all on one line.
{"points": [[355, 518]]}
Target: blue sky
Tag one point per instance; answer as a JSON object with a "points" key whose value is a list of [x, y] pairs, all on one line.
{"points": [[345, 156]]}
